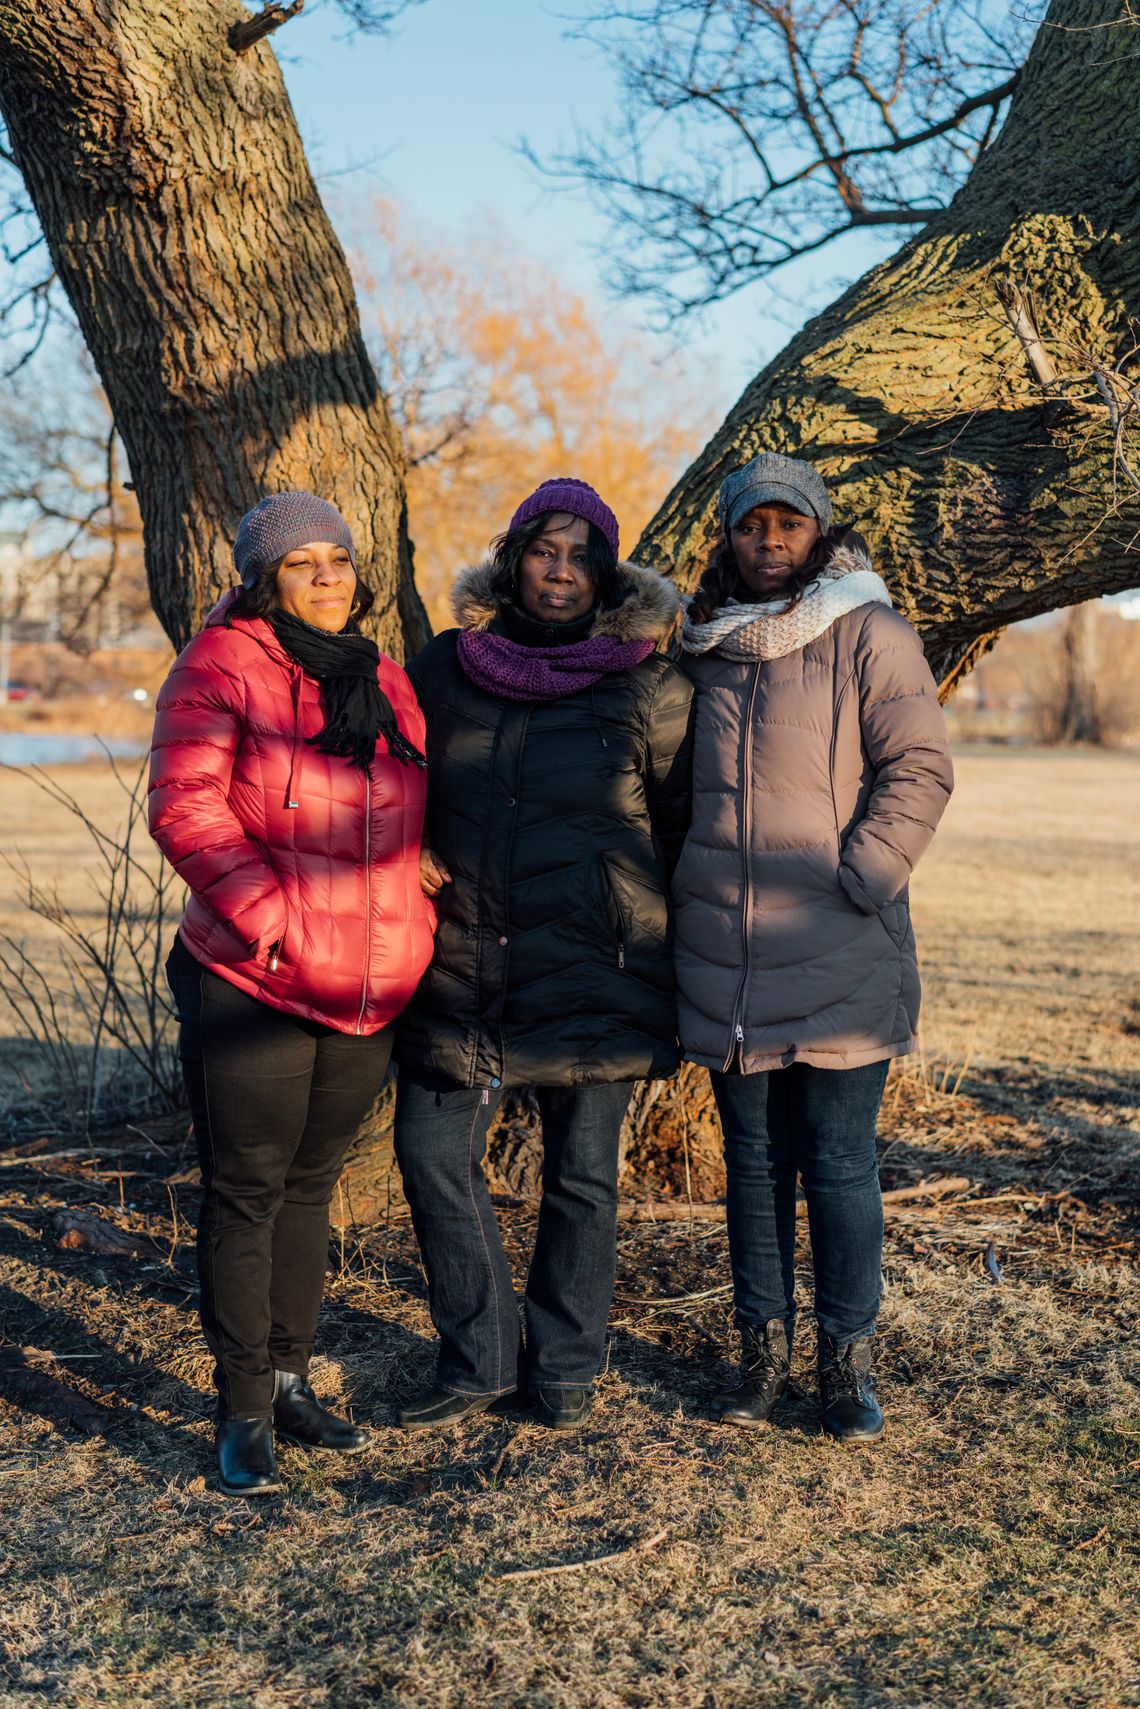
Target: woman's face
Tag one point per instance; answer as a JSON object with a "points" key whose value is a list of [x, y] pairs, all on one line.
{"points": [[318, 584], [772, 542], [554, 580]]}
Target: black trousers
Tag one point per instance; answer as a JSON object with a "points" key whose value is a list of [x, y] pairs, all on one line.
{"points": [[276, 1102]]}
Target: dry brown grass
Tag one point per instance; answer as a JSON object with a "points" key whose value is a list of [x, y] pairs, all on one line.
{"points": [[983, 1553]]}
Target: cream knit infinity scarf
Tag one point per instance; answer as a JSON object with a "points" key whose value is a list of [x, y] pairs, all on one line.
{"points": [[767, 631]]}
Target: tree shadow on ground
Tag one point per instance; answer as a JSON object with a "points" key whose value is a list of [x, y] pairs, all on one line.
{"points": [[370, 1346], [125, 1382]]}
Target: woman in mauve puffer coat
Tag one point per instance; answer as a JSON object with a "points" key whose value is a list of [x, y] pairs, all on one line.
{"points": [[287, 788], [820, 770]]}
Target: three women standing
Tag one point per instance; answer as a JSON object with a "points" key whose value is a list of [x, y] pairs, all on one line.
{"points": [[287, 789], [821, 769], [559, 793]]}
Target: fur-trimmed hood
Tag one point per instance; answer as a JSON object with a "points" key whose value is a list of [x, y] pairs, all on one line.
{"points": [[646, 613]]}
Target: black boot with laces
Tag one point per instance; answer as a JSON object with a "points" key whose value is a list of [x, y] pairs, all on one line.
{"points": [[848, 1408], [765, 1354]]}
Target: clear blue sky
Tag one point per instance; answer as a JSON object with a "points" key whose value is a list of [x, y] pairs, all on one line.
{"points": [[431, 116]]}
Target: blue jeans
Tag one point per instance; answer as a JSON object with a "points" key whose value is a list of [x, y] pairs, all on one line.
{"points": [[819, 1124], [441, 1141]]}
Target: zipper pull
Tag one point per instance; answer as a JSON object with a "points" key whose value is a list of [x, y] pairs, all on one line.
{"points": [[621, 955], [739, 1033], [274, 961]]}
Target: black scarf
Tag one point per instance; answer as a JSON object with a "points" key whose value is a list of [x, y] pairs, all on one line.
{"points": [[357, 709]]}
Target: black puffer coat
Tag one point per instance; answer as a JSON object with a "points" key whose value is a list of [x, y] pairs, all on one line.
{"points": [[560, 822]]}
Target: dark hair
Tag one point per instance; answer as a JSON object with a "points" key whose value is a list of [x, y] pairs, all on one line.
{"points": [[722, 574], [507, 554], [260, 600]]}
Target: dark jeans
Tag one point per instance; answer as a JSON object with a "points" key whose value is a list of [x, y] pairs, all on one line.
{"points": [[276, 1102], [441, 1140], [818, 1123]]}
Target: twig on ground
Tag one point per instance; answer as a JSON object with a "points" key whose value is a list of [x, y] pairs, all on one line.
{"points": [[673, 1299], [678, 1210], [495, 1469], [937, 1189], [669, 1210], [640, 1547]]}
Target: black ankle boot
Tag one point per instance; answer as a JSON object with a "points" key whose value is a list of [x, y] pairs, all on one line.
{"points": [[848, 1408], [764, 1364], [245, 1456], [299, 1418]]}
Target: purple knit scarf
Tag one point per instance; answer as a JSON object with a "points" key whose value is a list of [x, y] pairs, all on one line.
{"points": [[504, 667]]}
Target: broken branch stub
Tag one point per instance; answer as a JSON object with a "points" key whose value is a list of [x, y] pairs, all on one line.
{"points": [[252, 30], [1023, 325]]}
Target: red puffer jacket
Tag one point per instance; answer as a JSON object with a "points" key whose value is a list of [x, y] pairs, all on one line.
{"points": [[281, 844]]}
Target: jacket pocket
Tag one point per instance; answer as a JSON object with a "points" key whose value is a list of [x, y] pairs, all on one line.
{"points": [[619, 924], [640, 917]]}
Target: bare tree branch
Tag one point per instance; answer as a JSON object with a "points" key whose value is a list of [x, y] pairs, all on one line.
{"points": [[374, 17], [755, 131]]}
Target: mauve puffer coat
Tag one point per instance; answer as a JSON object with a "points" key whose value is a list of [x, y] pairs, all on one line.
{"points": [[333, 878], [818, 781]]}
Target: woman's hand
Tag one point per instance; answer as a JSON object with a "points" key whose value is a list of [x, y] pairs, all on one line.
{"points": [[433, 874]]}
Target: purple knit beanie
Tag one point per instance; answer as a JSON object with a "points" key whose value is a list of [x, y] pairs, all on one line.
{"points": [[576, 497], [279, 524]]}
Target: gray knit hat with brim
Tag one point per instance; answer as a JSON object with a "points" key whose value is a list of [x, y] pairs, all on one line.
{"points": [[280, 524], [770, 479]]}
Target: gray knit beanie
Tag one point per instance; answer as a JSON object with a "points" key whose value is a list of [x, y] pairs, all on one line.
{"points": [[280, 524], [772, 479]]}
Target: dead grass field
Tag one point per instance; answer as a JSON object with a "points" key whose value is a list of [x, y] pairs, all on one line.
{"points": [[983, 1553]]}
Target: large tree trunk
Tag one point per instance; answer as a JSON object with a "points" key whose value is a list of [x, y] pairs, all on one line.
{"points": [[986, 497], [169, 178]]}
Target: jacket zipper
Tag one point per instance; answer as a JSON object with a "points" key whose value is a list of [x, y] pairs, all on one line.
{"points": [[609, 884], [736, 1042], [367, 896]]}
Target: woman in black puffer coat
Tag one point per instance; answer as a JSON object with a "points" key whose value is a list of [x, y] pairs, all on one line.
{"points": [[559, 796]]}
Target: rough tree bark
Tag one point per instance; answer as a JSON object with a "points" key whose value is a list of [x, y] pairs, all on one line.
{"points": [[168, 175], [180, 214], [986, 496]]}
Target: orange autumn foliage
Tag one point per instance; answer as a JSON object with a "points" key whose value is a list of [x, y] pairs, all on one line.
{"points": [[500, 377]]}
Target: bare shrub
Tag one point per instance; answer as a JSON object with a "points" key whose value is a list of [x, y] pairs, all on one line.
{"points": [[1082, 679], [100, 1021]]}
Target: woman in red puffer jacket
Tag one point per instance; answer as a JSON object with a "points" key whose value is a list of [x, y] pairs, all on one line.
{"points": [[287, 788]]}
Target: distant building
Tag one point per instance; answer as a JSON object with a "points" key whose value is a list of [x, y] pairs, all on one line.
{"points": [[64, 598]]}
